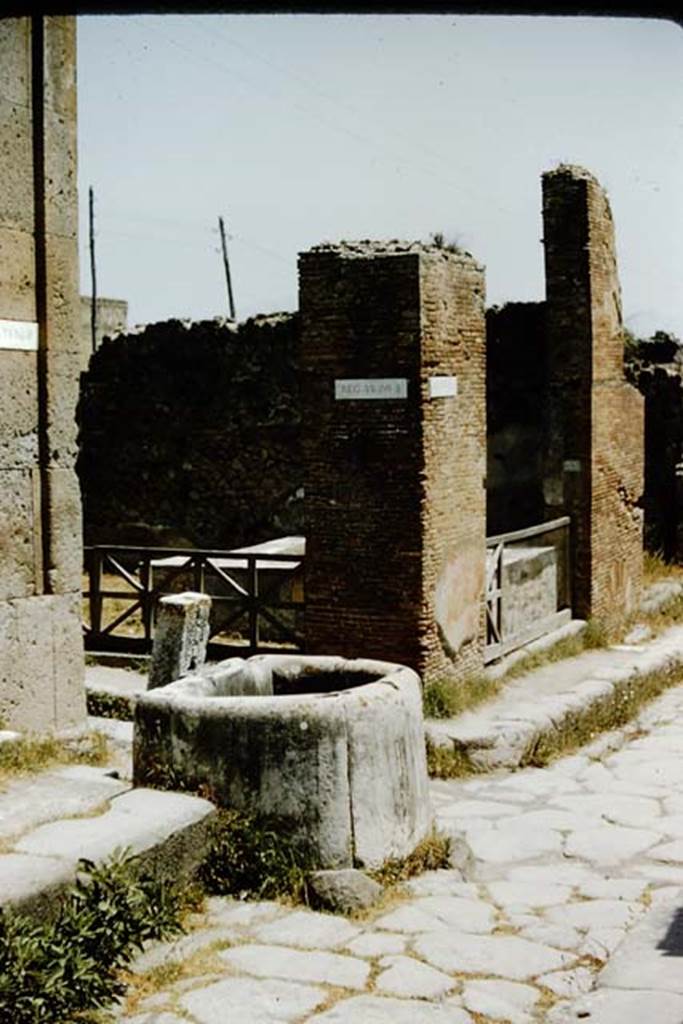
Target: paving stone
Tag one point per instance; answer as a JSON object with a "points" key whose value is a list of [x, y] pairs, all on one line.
{"points": [[431, 913], [309, 930], [672, 852], [666, 772], [225, 910], [560, 873], [27, 803], [531, 894], [490, 791], [297, 965], [181, 949], [442, 883], [613, 888], [520, 918], [601, 942], [572, 766], [609, 844], [153, 1018], [252, 1001], [650, 956], [573, 982], [140, 819], [660, 873], [196, 981], [505, 956], [412, 979], [23, 876], [500, 1000], [558, 935], [613, 1006], [558, 819], [535, 782], [377, 944], [591, 914], [155, 1004], [673, 804], [466, 809], [381, 1010], [501, 846], [632, 811]]}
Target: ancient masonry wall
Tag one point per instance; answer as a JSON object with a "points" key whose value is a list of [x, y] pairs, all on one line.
{"points": [[41, 650], [111, 318], [395, 498], [189, 435], [594, 454]]}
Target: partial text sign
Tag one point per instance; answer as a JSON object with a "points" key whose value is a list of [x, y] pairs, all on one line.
{"points": [[374, 387]]}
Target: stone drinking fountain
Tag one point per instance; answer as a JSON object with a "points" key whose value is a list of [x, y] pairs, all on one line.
{"points": [[329, 749]]}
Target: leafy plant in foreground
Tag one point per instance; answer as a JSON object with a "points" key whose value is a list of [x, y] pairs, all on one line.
{"points": [[53, 971]]}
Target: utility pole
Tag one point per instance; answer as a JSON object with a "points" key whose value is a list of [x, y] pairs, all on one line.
{"points": [[226, 264], [93, 276]]}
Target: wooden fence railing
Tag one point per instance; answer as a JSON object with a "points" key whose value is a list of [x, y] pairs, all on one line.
{"points": [[249, 610], [556, 534]]}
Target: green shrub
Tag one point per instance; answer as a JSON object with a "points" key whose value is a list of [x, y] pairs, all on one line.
{"points": [[55, 971], [255, 859]]}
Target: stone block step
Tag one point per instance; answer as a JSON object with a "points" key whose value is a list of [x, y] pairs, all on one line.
{"points": [[167, 832]]}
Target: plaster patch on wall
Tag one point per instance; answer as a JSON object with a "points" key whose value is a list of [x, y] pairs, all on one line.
{"points": [[458, 596]]}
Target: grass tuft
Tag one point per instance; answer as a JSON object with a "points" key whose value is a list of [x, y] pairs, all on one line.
{"points": [[432, 853], [32, 754], [592, 637], [621, 706], [656, 568], [449, 762], [446, 698]]}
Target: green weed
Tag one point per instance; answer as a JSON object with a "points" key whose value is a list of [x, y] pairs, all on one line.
{"points": [[429, 855], [255, 859]]}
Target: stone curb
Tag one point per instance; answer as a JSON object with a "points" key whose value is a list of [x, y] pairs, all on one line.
{"points": [[503, 739], [167, 833]]}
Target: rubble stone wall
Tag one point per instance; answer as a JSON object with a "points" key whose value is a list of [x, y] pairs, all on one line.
{"points": [[189, 435]]}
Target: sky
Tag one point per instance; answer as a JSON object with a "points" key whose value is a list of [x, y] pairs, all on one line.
{"points": [[300, 129]]}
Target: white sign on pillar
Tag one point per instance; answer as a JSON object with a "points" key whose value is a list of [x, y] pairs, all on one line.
{"points": [[373, 387], [19, 334], [443, 387]]}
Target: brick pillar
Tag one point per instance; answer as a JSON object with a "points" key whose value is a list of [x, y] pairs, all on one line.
{"points": [[394, 486], [594, 454]]}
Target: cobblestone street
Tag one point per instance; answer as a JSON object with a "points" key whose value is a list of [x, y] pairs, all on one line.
{"points": [[564, 870]]}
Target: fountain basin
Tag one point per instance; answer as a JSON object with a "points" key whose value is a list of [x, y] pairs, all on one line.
{"points": [[330, 749]]}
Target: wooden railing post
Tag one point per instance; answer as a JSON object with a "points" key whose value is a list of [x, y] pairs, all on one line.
{"points": [[200, 574], [253, 603], [95, 577], [147, 599], [501, 589]]}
